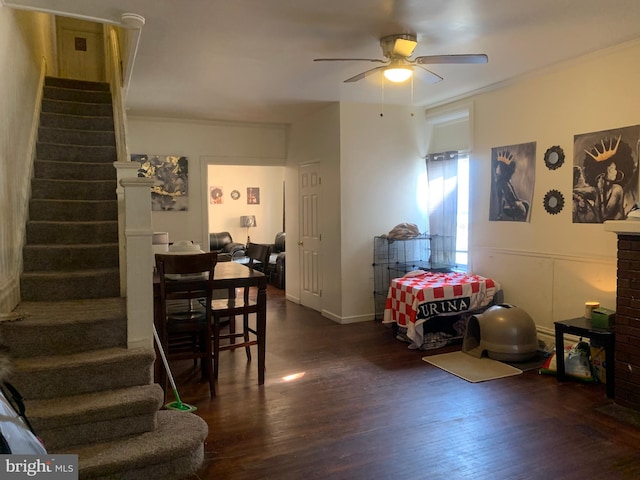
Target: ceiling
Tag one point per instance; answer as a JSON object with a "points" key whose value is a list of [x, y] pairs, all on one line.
{"points": [[252, 60]]}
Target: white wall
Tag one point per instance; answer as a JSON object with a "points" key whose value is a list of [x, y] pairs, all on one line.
{"points": [[371, 167], [26, 48], [383, 174], [316, 138], [204, 143], [225, 217], [551, 266], [371, 171]]}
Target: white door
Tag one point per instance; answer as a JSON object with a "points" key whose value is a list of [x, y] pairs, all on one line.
{"points": [[80, 50], [309, 239]]}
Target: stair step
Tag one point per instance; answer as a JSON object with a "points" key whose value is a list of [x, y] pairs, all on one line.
{"points": [[76, 84], [174, 450], [83, 284], [76, 153], [47, 188], [67, 136], [75, 108], [65, 327], [95, 417], [86, 392], [70, 257], [73, 210], [76, 95], [73, 170], [78, 122], [79, 373], [55, 233]]}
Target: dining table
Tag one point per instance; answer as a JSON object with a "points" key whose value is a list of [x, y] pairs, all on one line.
{"points": [[227, 276]]}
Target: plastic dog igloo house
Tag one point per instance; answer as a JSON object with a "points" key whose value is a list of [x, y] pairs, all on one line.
{"points": [[504, 332]]}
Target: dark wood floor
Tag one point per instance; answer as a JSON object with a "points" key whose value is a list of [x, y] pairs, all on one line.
{"points": [[363, 406]]}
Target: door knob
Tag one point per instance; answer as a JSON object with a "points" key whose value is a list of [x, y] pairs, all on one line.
{"points": [[300, 244]]}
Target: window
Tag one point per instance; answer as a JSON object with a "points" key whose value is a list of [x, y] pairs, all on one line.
{"points": [[448, 210], [449, 131]]}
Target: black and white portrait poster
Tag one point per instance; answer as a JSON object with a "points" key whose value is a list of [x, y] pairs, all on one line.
{"points": [[512, 181], [605, 174]]}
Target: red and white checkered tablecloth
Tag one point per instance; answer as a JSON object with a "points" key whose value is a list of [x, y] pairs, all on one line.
{"points": [[417, 297]]}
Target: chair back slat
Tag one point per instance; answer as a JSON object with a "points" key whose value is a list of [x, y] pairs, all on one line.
{"points": [[185, 327], [260, 253], [186, 275]]}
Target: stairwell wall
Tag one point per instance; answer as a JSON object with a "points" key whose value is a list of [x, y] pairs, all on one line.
{"points": [[26, 52]]}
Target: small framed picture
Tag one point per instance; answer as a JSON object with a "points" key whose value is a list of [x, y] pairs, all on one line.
{"points": [[235, 194], [215, 196], [253, 196]]}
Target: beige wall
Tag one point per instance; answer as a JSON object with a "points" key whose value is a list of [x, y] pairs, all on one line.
{"points": [[225, 217], [551, 266], [383, 172], [204, 144], [371, 168], [316, 139], [26, 49]]}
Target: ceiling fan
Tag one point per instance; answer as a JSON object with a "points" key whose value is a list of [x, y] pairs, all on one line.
{"points": [[398, 67]]}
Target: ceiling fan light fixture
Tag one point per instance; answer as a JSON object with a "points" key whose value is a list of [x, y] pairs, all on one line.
{"points": [[398, 74]]}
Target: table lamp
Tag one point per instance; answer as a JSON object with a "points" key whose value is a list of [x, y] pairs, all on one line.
{"points": [[248, 221]]}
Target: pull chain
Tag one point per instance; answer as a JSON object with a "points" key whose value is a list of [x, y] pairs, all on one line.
{"points": [[382, 95], [412, 104]]}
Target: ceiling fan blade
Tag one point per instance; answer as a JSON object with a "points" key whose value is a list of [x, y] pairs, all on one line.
{"points": [[430, 76], [349, 60], [360, 76], [440, 59]]}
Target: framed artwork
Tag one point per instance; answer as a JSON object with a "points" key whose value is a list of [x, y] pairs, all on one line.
{"points": [[171, 180], [513, 178], [605, 174], [216, 195], [235, 194], [253, 196]]}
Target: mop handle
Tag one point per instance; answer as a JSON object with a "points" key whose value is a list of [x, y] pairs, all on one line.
{"points": [[164, 359]]}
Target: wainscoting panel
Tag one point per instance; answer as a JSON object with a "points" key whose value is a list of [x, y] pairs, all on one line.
{"points": [[548, 287]]}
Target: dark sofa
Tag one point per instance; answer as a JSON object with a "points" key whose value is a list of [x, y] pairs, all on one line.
{"points": [[227, 249], [276, 268]]}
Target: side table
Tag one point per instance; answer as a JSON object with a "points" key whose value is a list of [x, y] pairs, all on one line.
{"points": [[582, 327]]}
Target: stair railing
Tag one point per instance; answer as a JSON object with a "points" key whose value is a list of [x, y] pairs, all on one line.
{"points": [[134, 214], [114, 75]]}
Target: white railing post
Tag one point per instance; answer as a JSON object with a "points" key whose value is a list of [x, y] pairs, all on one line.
{"points": [[139, 266], [124, 170]]}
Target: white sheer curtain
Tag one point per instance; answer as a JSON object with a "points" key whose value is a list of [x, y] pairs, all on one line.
{"points": [[442, 174]]}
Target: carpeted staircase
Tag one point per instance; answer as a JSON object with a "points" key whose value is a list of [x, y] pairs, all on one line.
{"points": [[85, 392]]}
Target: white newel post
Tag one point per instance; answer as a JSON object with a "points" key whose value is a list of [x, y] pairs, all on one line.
{"points": [[123, 170], [139, 266]]}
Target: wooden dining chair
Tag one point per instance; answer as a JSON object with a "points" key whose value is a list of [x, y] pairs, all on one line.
{"points": [[238, 302], [186, 283]]}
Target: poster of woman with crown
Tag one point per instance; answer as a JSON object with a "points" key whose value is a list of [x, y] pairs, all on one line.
{"points": [[605, 174], [512, 183]]}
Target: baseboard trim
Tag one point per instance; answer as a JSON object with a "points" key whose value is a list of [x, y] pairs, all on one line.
{"points": [[291, 298], [346, 320]]}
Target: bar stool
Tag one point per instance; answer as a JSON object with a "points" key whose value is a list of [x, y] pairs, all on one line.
{"points": [[238, 303], [186, 331]]}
